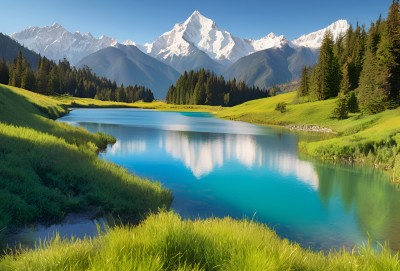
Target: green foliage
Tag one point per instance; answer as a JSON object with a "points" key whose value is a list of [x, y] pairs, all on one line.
{"points": [[393, 35], [304, 88], [4, 72], [48, 168], [341, 110], [166, 242], [352, 102], [327, 74], [204, 87], [281, 107], [372, 93]]}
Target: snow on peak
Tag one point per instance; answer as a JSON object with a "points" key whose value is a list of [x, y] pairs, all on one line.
{"points": [[269, 41], [55, 42], [56, 25], [314, 39], [204, 34], [129, 42]]}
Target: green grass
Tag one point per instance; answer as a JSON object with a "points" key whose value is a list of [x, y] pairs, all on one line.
{"points": [[166, 242], [49, 169], [157, 105]]}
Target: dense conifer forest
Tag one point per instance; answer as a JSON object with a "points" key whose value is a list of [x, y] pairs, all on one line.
{"points": [[361, 67], [206, 88]]}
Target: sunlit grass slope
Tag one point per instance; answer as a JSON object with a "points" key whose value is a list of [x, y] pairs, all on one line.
{"points": [[48, 169], [157, 105], [166, 242]]}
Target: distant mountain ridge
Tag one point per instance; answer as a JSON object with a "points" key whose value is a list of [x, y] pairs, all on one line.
{"points": [[272, 66], [56, 43], [196, 43], [128, 65], [9, 50]]}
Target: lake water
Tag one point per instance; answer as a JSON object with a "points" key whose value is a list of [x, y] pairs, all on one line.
{"points": [[225, 168]]}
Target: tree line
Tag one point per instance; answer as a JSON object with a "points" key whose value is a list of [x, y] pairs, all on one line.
{"points": [[206, 88], [60, 78], [362, 68]]}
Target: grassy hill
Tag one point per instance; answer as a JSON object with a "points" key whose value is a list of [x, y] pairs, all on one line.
{"points": [[49, 169]]}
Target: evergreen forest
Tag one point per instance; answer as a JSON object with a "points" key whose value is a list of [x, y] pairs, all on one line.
{"points": [[51, 78], [206, 88]]}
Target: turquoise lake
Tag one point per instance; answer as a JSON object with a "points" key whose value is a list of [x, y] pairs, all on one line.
{"points": [[224, 168]]}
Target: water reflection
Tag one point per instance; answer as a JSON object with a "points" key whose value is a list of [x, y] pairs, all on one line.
{"points": [[375, 203], [128, 146], [204, 153]]}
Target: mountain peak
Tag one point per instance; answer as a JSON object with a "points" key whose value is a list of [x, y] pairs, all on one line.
{"points": [[197, 19], [196, 13], [56, 42], [314, 39], [56, 25]]}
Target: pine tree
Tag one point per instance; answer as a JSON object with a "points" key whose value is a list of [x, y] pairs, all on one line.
{"points": [[345, 84], [373, 90], [304, 88], [340, 111], [352, 102], [327, 74], [4, 72], [391, 42]]}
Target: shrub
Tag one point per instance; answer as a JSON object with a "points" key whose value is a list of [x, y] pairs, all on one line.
{"points": [[281, 107]]}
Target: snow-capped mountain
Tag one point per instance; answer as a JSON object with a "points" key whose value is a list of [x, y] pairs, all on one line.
{"points": [[55, 42], [269, 41], [204, 34], [314, 39]]}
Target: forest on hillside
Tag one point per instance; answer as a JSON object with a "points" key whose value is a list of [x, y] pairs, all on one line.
{"points": [[51, 78], [206, 88], [362, 68]]}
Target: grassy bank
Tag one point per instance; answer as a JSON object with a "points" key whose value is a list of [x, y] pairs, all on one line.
{"points": [[49, 169], [157, 105], [165, 242], [369, 139]]}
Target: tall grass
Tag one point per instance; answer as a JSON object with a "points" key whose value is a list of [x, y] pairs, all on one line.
{"points": [[166, 242]]}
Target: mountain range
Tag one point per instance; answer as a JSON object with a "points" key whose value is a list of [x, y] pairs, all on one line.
{"points": [[196, 43]]}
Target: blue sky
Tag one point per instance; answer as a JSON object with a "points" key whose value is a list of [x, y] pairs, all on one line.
{"points": [[143, 21]]}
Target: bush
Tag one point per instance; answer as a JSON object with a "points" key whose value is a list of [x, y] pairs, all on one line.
{"points": [[281, 107]]}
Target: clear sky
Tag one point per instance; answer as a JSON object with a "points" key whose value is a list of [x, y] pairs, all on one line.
{"points": [[142, 21]]}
